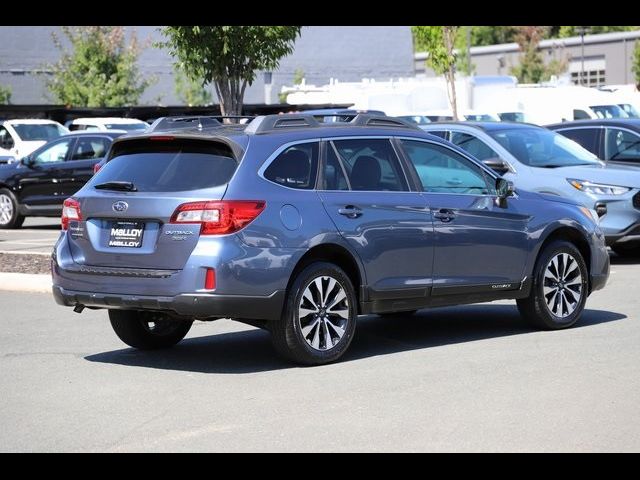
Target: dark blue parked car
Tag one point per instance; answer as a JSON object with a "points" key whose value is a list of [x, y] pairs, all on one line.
{"points": [[38, 183], [299, 227]]}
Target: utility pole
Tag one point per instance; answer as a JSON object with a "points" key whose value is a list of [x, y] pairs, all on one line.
{"points": [[582, 31]]}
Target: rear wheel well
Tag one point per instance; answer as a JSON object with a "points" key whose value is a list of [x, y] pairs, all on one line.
{"points": [[335, 254], [573, 236]]}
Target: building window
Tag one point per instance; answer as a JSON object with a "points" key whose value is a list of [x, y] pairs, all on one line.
{"points": [[594, 71]]}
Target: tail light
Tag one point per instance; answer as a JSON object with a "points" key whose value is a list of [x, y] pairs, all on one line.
{"points": [[70, 211], [219, 217], [96, 167]]}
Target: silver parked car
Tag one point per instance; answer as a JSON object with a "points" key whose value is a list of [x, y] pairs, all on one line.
{"points": [[540, 160]]}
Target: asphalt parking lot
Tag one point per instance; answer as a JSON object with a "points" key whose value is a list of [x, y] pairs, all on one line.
{"points": [[471, 378], [37, 235]]}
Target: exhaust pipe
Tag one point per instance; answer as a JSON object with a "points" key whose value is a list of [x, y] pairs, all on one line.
{"points": [[78, 308]]}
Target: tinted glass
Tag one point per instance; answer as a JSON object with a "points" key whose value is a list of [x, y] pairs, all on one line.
{"points": [[439, 133], [54, 153], [473, 146], [443, 171], [371, 164], [126, 126], [621, 145], [296, 167], [539, 147], [587, 137], [32, 132], [6, 141], [334, 178], [511, 116], [169, 166], [580, 115], [609, 111], [89, 148], [630, 110]]}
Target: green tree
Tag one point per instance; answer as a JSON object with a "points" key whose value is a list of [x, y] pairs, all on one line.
{"points": [[438, 42], [191, 92], [99, 71], [463, 60], [5, 95], [574, 31], [298, 76], [229, 56], [493, 35], [531, 67], [635, 63]]}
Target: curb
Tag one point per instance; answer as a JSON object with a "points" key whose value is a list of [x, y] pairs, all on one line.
{"points": [[25, 282]]}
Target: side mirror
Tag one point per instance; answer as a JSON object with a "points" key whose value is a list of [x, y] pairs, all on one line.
{"points": [[498, 165], [27, 161], [504, 188]]}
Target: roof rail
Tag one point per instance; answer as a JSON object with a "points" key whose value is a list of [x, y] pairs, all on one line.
{"points": [[192, 121], [273, 123]]}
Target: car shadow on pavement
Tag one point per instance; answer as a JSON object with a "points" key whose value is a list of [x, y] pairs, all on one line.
{"points": [[250, 351], [618, 260]]}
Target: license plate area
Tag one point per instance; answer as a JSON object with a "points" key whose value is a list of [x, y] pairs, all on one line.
{"points": [[126, 234]]}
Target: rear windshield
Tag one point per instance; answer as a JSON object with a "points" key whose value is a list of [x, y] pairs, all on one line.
{"points": [[169, 166]]}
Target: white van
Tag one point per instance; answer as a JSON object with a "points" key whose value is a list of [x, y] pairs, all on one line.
{"points": [[19, 138], [108, 123]]}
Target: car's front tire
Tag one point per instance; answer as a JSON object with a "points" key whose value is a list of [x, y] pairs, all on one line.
{"points": [[559, 290], [319, 317], [9, 214], [148, 330]]}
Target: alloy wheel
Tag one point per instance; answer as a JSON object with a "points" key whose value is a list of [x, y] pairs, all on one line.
{"points": [[562, 286], [323, 313], [6, 209]]}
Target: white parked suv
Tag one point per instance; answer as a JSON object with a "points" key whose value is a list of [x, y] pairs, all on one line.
{"points": [[19, 138], [107, 123]]}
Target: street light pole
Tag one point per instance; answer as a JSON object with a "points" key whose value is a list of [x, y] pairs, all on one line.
{"points": [[582, 31]]}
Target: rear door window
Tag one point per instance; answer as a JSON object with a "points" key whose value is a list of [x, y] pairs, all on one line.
{"points": [[371, 164], [169, 166], [89, 148]]}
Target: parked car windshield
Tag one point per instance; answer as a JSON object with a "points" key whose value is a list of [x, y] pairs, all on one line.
{"points": [[609, 111], [538, 147], [38, 131]]}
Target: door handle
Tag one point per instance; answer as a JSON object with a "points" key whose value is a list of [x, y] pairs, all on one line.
{"points": [[350, 211], [444, 215]]}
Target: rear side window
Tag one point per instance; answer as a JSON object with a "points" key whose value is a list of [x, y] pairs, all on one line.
{"points": [[296, 167], [169, 166]]}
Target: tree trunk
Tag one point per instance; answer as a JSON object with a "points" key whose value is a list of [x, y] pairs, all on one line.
{"points": [[230, 93], [450, 75]]}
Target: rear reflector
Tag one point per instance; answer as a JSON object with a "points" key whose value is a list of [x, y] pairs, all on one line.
{"points": [[219, 217], [210, 279], [70, 211]]}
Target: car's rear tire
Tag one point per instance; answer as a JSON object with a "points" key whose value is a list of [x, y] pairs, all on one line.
{"points": [[559, 290], [148, 330], [9, 214], [319, 316], [627, 249]]}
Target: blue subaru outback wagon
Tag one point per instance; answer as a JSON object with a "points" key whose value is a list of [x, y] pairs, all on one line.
{"points": [[299, 226]]}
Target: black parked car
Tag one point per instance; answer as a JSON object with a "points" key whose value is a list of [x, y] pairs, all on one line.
{"points": [[614, 140], [38, 184]]}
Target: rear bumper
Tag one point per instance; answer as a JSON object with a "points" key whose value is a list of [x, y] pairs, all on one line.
{"points": [[206, 305]]}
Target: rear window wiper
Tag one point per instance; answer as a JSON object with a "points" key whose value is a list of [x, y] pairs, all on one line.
{"points": [[117, 185]]}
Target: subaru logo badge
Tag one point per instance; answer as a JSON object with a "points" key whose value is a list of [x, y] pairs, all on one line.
{"points": [[120, 206]]}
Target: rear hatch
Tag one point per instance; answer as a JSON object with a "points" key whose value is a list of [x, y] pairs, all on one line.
{"points": [[126, 207]]}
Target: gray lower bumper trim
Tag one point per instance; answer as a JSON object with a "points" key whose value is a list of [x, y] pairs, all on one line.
{"points": [[191, 305]]}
